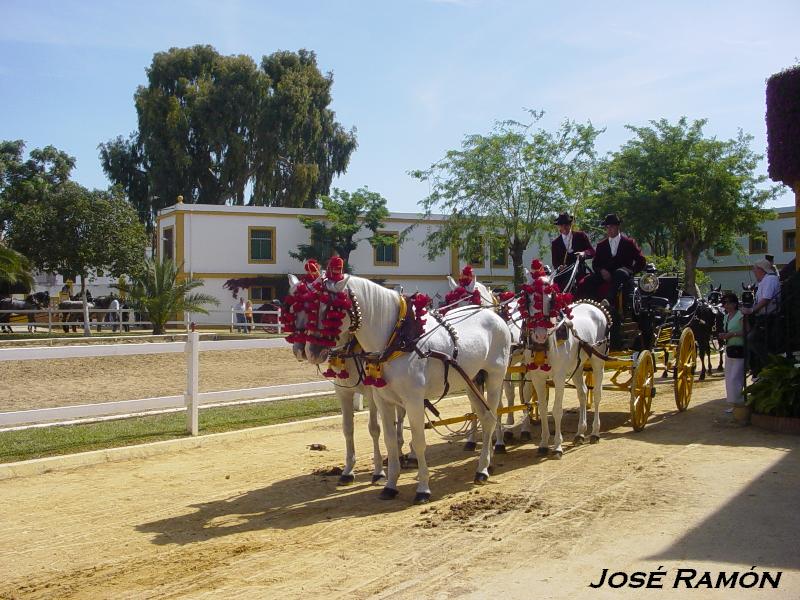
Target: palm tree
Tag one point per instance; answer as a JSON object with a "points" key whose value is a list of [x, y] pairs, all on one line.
{"points": [[161, 294], [14, 269]]}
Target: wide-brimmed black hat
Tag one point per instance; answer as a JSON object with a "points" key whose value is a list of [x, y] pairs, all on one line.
{"points": [[563, 219], [611, 219]]}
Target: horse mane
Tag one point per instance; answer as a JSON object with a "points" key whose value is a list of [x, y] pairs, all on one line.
{"points": [[596, 304]]}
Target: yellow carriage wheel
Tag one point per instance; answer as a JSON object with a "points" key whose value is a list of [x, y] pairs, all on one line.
{"points": [[642, 382], [685, 363]]}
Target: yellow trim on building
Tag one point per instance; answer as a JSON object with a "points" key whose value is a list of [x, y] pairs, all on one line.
{"points": [[731, 268], [273, 244]]}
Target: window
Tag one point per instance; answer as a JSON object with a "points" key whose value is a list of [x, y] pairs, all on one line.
{"points": [[262, 293], [499, 254], [387, 254], [475, 252], [789, 240], [721, 252], [262, 245], [758, 243], [167, 244]]}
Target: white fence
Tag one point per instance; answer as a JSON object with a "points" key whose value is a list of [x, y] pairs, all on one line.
{"points": [[191, 400], [127, 318]]}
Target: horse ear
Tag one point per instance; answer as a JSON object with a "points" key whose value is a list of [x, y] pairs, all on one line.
{"points": [[293, 281], [337, 286], [451, 282]]}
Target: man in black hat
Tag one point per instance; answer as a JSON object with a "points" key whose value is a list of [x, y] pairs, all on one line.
{"points": [[567, 247], [617, 259]]}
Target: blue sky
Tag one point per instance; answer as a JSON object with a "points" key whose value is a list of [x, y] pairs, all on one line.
{"points": [[413, 77]]}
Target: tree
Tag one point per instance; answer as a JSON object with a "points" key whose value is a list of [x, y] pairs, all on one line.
{"points": [[14, 271], [77, 231], [160, 292], [212, 127], [508, 184], [683, 193], [346, 215]]}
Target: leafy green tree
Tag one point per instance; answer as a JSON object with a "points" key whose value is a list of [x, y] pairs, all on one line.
{"points": [[682, 193], [14, 270], [161, 293], [212, 127], [124, 163], [346, 215], [78, 231], [511, 182]]}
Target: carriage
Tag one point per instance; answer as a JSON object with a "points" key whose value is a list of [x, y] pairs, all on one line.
{"points": [[651, 336]]}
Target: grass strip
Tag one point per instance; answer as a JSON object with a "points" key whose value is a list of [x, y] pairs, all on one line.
{"points": [[40, 442]]}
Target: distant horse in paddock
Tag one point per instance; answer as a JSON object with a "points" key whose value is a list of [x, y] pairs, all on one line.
{"points": [[36, 301], [71, 311]]}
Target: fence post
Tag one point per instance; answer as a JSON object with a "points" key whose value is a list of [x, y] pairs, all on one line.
{"points": [[233, 318], [192, 396], [280, 323], [49, 320]]}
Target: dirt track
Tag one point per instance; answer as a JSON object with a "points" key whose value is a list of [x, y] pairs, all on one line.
{"points": [[250, 518]]}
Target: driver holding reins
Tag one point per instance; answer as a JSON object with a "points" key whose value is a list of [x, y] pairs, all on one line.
{"points": [[567, 247]]}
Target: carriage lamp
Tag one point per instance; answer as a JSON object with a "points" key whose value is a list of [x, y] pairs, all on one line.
{"points": [[648, 283]]}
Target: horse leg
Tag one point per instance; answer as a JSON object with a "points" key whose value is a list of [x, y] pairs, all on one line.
{"points": [[488, 419], [598, 367], [415, 410], [525, 392], [409, 460], [558, 412], [472, 430], [375, 432], [666, 363], [701, 352], [580, 388], [387, 413], [345, 397], [540, 386]]}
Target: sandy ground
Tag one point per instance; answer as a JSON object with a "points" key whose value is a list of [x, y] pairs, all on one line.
{"points": [[254, 518], [32, 384]]}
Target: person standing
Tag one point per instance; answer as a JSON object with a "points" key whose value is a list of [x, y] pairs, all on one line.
{"points": [[114, 315], [239, 310], [733, 336], [248, 317], [763, 333]]}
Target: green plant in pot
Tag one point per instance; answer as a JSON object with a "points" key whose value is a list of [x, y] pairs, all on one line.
{"points": [[777, 391]]}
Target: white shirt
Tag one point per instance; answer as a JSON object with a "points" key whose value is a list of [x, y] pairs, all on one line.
{"points": [[614, 243], [567, 239], [768, 288]]}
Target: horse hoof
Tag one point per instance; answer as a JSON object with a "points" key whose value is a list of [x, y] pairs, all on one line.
{"points": [[593, 439], [508, 436], [525, 436], [422, 498], [543, 450], [500, 449], [558, 454], [377, 478], [481, 478], [470, 446], [490, 469], [578, 440], [346, 479], [388, 493], [408, 462]]}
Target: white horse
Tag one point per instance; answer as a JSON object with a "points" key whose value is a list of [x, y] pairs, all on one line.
{"points": [[482, 341], [514, 322], [346, 389], [587, 328]]}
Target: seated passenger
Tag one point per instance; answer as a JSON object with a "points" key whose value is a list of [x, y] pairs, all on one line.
{"points": [[567, 247], [617, 259]]}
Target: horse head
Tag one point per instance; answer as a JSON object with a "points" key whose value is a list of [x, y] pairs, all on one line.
{"points": [[295, 315], [714, 297], [332, 325], [39, 299], [468, 290], [749, 294]]}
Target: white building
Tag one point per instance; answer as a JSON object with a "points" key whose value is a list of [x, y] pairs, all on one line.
{"points": [[217, 243], [734, 268]]}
